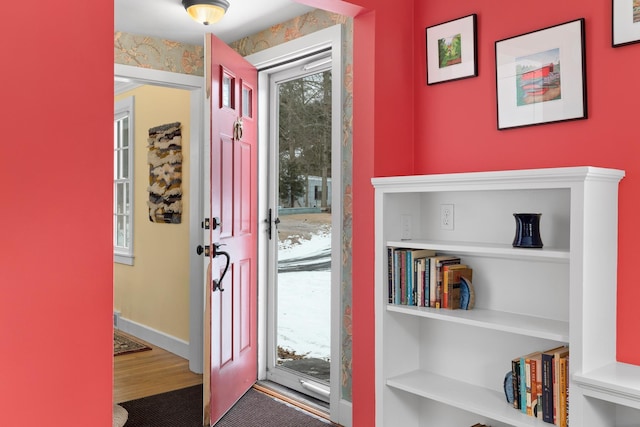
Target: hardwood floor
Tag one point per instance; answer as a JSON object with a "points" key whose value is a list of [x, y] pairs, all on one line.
{"points": [[146, 373]]}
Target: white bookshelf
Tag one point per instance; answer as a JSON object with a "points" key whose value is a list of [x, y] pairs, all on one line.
{"points": [[437, 367]]}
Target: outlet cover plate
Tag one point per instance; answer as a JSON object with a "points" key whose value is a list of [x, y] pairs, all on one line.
{"points": [[446, 216]]}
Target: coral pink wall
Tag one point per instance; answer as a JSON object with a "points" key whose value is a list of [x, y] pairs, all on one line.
{"points": [[56, 252], [403, 126], [460, 117]]}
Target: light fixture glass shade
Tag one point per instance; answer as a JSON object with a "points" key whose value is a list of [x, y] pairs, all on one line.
{"points": [[206, 11]]}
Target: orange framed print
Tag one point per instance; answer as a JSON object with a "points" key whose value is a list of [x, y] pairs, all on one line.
{"points": [[452, 50], [541, 77], [625, 25]]}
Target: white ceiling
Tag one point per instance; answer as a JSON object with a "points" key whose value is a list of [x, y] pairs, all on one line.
{"points": [[167, 19]]}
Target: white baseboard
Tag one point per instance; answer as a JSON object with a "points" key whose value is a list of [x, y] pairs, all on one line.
{"points": [[154, 337], [346, 415]]}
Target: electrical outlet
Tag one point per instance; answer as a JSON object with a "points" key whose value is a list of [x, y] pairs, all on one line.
{"points": [[446, 217], [405, 223]]}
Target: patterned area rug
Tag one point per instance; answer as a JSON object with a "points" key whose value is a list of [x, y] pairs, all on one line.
{"points": [[122, 344]]}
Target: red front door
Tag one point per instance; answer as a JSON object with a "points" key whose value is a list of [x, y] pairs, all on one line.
{"points": [[233, 313]]}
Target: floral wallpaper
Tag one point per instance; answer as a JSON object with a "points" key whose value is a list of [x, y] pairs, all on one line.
{"points": [[159, 54], [287, 31]]}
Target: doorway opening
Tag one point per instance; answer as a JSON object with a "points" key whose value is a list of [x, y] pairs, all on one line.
{"points": [[129, 78], [300, 201]]}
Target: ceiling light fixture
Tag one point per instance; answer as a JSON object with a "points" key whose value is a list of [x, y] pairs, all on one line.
{"points": [[206, 11]]}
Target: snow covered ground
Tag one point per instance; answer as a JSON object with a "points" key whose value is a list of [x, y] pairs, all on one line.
{"points": [[304, 296]]}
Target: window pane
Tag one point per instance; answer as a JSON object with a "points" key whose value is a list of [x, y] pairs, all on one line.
{"points": [[226, 91], [246, 102], [120, 231], [125, 132], [125, 163], [119, 198], [126, 197], [116, 133]]}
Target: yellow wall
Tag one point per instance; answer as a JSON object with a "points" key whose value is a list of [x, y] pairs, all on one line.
{"points": [[155, 290]]}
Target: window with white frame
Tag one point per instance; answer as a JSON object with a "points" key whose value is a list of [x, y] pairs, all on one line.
{"points": [[123, 181]]}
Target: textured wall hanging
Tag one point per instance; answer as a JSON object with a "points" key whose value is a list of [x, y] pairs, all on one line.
{"points": [[165, 173]]}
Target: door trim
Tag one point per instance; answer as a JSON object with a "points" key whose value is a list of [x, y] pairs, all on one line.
{"points": [[194, 84], [340, 410]]}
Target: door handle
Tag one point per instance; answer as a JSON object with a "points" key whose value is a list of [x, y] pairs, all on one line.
{"points": [[206, 250], [217, 284], [269, 221]]}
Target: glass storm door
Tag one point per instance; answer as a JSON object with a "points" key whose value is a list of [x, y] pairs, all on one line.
{"points": [[299, 348]]}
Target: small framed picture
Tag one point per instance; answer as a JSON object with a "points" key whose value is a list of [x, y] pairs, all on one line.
{"points": [[625, 26], [452, 50], [540, 76]]}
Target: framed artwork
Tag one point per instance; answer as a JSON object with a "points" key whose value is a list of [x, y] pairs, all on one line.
{"points": [[625, 26], [540, 76], [452, 50]]}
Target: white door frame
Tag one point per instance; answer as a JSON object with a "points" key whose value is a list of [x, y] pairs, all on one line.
{"points": [[194, 84], [269, 61]]}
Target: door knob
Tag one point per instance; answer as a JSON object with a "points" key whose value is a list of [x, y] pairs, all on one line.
{"points": [[206, 250]]}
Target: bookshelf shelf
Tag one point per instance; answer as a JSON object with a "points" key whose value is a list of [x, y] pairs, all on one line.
{"points": [[495, 320], [446, 367], [487, 249], [484, 402], [615, 382]]}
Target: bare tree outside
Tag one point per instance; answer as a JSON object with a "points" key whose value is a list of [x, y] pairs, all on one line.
{"points": [[305, 140]]}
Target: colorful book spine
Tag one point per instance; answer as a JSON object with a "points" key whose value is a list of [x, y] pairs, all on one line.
{"points": [[403, 277], [547, 387], [515, 378], [409, 277], [549, 384], [523, 385], [441, 262], [558, 355], [390, 273], [538, 409], [562, 386], [396, 275], [527, 376]]}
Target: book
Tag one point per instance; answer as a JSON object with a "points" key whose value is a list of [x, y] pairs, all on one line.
{"points": [[452, 282], [548, 406], [515, 378], [410, 285], [427, 275], [396, 276], [418, 284], [445, 281], [435, 279], [556, 383], [563, 385], [390, 272], [523, 381], [403, 276], [421, 288], [533, 376]]}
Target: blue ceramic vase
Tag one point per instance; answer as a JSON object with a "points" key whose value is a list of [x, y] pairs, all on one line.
{"points": [[527, 230]]}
